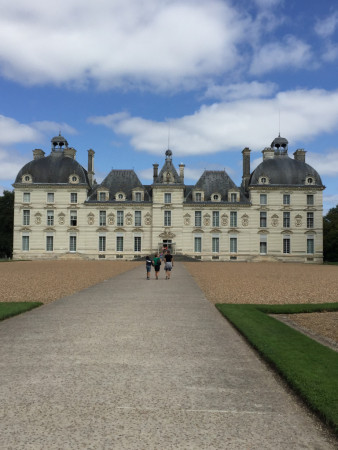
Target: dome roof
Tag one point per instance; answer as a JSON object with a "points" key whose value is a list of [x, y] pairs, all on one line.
{"points": [[54, 169], [285, 171]]}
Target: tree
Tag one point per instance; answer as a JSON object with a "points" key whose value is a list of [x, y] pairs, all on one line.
{"points": [[330, 232], [6, 224]]}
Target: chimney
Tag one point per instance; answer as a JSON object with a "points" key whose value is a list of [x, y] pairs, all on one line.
{"points": [[299, 155], [91, 172], [38, 153], [246, 167], [70, 152], [268, 153], [155, 166], [182, 166]]}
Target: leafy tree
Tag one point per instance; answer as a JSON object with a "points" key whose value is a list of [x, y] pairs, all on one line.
{"points": [[330, 231], [6, 224]]}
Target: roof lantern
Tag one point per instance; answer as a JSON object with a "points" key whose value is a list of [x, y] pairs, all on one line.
{"points": [[280, 145], [58, 142]]}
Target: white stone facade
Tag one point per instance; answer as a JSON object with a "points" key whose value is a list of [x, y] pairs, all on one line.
{"points": [[78, 219]]}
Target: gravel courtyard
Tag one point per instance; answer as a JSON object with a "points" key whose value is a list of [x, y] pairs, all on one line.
{"points": [[276, 283]]}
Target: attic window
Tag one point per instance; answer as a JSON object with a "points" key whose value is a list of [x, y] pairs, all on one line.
{"points": [[198, 197], [27, 179], [215, 197], [310, 180], [120, 196], [263, 180], [74, 179]]}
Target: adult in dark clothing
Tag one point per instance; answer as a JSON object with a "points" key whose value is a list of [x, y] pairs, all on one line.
{"points": [[169, 264], [149, 263]]}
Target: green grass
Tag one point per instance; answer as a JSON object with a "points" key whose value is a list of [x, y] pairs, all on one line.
{"points": [[11, 309], [310, 368]]}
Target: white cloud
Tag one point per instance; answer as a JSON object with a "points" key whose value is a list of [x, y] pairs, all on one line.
{"points": [[11, 131], [157, 43], [233, 125], [238, 91], [10, 164], [48, 127], [292, 53], [325, 164], [326, 27]]}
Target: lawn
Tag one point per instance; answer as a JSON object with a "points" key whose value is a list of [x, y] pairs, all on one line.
{"points": [[310, 368], [13, 308]]}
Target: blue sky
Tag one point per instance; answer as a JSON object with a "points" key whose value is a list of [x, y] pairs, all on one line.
{"points": [[124, 77]]}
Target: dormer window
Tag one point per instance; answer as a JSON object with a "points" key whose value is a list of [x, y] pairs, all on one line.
{"points": [[120, 196], [102, 197], [138, 196], [216, 197], [263, 180], [310, 180], [74, 179], [198, 197], [27, 178]]}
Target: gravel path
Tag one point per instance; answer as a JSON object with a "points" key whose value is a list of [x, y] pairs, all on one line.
{"points": [[275, 283], [46, 281]]}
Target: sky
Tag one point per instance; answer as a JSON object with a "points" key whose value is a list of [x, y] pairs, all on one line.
{"points": [[130, 78]]}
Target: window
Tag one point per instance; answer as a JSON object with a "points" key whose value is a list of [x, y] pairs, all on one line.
{"points": [[119, 243], [26, 217], [73, 197], [309, 180], [286, 244], [286, 219], [119, 219], [263, 180], [102, 196], [103, 219], [262, 219], [263, 245], [215, 244], [73, 218], [198, 218], [138, 197], [50, 197], [138, 219], [49, 243], [72, 243], [215, 197], [310, 245], [167, 197], [263, 199], [26, 197], [102, 243], [286, 199], [233, 244], [25, 243], [309, 220], [167, 218], [198, 244], [120, 196], [233, 218], [137, 243], [310, 200], [215, 218], [198, 197], [233, 197], [75, 179], [50, 218]]}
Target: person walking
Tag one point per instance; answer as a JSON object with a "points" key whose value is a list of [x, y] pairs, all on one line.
{"points": [[157, 265], [149, 263], [169, 264]]}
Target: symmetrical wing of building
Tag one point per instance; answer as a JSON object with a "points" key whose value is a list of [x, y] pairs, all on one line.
{"points": [[61, 212]]}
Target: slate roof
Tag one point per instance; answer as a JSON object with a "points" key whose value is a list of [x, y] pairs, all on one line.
{"points": [[168, 167], [53, 169], [215, 181], [120, 181], [284, 171]]}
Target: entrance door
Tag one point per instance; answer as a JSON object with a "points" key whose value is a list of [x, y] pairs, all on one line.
{"points": [[167, 244]]}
